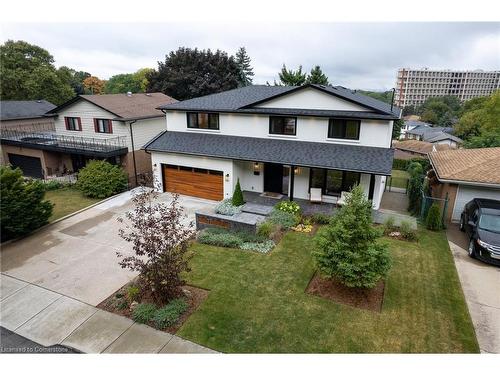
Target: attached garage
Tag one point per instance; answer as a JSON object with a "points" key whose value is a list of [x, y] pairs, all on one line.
{"points": [[466, 193], [31, 166], [195, 182]]}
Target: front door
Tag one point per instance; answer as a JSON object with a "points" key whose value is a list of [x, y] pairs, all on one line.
{"points": [[273, 178]]}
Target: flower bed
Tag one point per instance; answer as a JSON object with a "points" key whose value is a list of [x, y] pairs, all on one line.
{"points": [[235, 239], [227, 208]]}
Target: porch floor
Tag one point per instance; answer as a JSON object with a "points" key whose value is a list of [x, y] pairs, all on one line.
{"points": [[307, 207]]}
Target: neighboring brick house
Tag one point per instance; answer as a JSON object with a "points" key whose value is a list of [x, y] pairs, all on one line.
{"points": [[108, 127], [465, 174]]}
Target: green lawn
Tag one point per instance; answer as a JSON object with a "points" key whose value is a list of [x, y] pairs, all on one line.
{"points": [[257, 303], [399, 178], [66, 201]]}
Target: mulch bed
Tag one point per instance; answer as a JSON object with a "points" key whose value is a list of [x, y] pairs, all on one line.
{"points": [[194, 297], [367, 299]]}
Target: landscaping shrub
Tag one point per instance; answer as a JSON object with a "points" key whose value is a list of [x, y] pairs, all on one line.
{"points": [[261, 247], [407, 232], [238, 195], [402, 164], [290, 207], [415, 187], [217, 238], [347, 248], [320, 218], [285, 219], [389, 224], [169, 314], [265, 229], [226, 207], [52, 185], [100, 179], [133, 292], [433, 219], [22, 206], [143, 313]]}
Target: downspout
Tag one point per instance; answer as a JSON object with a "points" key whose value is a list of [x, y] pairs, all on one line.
{"points": [[133, 151]]}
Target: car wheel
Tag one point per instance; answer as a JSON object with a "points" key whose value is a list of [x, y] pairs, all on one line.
{"points": [[472, 249], [462, 224]]}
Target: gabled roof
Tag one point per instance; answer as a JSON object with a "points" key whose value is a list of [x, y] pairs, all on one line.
{"points": [[125, 107], [420, 147], [24, 109], [479, 165], [244, 100], [363, 159]]}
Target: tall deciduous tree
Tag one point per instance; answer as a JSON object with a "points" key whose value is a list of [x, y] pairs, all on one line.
{"points": [[73, 78], [160, 242], [133, 82], [245, 68], [94, 85], [188, 73], [317, 76], [347, 249], [28, 73]]}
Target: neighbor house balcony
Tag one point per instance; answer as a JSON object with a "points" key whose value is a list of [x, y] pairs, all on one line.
{"points": [[50, 141]]}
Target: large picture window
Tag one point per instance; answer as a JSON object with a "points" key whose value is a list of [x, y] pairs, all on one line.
{"points": [[200, 120], [343, 129], [282, 125], [103, 126], [331, 181]]}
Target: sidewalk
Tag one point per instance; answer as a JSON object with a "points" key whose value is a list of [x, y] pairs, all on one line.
{"points": [[50, 318]]}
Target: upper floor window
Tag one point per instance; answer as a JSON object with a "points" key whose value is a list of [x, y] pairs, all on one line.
{"points": [[73, 123], [282, 125], [343, 129], [200, 120], [103, 125]]}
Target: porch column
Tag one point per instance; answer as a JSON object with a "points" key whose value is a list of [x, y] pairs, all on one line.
{"points": [[292, 181]]}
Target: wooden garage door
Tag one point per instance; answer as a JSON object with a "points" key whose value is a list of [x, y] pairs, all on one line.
{"points": [[196, 182]]}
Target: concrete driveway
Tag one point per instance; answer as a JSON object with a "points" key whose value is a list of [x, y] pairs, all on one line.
{"points": [[76, 257], [481, 285]]}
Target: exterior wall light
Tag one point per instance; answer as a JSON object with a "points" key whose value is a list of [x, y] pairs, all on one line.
{"points": [[227, 177], [297, 170], [256, 169]]}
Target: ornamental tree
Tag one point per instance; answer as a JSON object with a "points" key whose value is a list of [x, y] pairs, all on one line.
{"points": [[160, 242], [237, 199], [347, 249]]}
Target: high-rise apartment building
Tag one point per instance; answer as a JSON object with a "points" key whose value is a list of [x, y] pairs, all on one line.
{"points": [[414, 86]]}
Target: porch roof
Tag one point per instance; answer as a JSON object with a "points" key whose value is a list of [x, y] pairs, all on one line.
{"points": [[376, 160]]}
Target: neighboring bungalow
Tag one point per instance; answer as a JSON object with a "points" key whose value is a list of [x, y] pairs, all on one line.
{"points": [[410, 149], [422, 131], [465, 174], [277, 141], [108, 127]]}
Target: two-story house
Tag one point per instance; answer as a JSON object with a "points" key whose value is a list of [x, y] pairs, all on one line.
{"points": [[277, 140], [110, 127]]}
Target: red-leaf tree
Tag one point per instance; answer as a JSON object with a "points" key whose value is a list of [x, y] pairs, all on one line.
{"points": [[160, 242]]}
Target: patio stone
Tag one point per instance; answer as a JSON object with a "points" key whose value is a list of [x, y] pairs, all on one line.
{"points": [[24, 305], [56, 322], [255, 208], [179, 346], [140, 339], [97, 333], [9, 285]]}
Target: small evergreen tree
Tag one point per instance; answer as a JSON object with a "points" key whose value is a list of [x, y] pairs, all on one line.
{"points": [[347, 248], [317, 76], [289, 77], [245, 69], [22, 206], [433, 219], [238, 195]]}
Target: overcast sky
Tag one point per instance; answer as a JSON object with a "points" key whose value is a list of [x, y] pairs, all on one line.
{"points": [[355, 55]]}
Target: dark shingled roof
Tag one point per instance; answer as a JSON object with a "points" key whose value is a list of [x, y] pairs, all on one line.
{"points": [[243, 99], [307, 154], [24, 109]]}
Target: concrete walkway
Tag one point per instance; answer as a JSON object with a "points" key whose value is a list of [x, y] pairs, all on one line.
{"points": [[50, 318], [480, 283]]}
